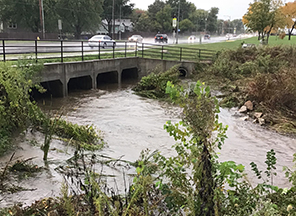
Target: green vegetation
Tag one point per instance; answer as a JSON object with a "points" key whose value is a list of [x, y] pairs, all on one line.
{"points": [[18, 112], [154, 85]]}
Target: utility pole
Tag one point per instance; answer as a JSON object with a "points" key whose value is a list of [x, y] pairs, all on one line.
{"points": [[113, 21], [41, 11], [178, 23]]}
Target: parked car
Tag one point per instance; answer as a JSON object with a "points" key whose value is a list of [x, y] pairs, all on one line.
{"points": [[161, 38], [191, 39], [136, 38], [207, 37], [102, 41]]}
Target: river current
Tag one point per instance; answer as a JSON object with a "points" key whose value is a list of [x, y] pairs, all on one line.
{"points": [[130, 124]]}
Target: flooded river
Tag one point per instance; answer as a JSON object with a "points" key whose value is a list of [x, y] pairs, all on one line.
{"points": [[131, 124]]}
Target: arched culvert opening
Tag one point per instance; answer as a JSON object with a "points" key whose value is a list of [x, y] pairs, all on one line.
{"points": [[107, 78], [130, 74], [183, 72], [80, 83], [53, 89]]}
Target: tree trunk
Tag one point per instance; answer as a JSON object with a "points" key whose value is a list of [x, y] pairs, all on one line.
{"points": [[77, 32], [290, 32]]}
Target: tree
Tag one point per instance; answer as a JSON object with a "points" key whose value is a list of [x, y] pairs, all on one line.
{"points": [[212, 20], [186, 25], [198, 18], [26, 13], [121, 9], [186, 8], [289, 12], [80, 15], [263, 16], [143, 23]]}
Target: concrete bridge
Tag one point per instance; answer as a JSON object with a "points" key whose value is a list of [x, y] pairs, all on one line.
{"points": [[59, 78]]}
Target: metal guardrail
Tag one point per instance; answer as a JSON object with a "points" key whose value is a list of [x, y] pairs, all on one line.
{"points": [[61, 51]]}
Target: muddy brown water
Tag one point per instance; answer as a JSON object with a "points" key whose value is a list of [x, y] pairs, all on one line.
{"points": [[131, 124]]}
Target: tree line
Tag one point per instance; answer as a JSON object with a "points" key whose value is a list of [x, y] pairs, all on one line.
{"points": [[270, 17], [86, 16]]}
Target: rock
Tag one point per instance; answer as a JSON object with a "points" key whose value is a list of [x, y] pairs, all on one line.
{"points": [[255, 121], [249, 105], [243, 109], [258, 114], [245, 118], [261, 121]]}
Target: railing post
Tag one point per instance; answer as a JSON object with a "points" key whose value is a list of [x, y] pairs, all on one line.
{"points": [[36, 51], [199, 54], [180, 53], [113, 51], [136, 48], [125, 49], [99, 50], [3, 46], [82, 58], [142, 50], [62, 57], [162, 52]]}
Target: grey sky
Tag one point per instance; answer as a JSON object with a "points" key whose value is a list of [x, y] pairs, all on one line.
{"points": [[228, 9]]}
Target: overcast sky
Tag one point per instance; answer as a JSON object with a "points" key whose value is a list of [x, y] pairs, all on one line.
{"points": [[228, 9]]}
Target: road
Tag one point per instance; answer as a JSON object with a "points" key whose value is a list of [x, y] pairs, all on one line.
{"points": [[53, 48]]}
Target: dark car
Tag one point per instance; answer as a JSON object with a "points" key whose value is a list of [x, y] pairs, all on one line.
{"points": [[161, 38], [207, 37]]}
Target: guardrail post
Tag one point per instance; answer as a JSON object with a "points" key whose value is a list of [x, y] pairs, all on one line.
{"points": [[180, 53], [142, 50], [62, 57], [125, 49], [36, 51], [82, 58], [162, 52], [3, 46], [99, 50], [199, 54]]}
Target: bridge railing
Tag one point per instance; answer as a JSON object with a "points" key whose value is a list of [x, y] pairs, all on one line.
{"points": [[64, 51]]}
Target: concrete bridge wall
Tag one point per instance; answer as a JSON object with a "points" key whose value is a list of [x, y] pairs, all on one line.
{"points": [[60, 75]]}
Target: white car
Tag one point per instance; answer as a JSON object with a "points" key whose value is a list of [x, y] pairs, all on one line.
{"points": [[191, 39], [102, 41], [136, 38]]}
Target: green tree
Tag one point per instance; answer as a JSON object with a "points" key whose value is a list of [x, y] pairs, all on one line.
{"points": [[186, 25], [198, 18], [186, 8], [263, 16], [211, 24], [26, 14], [164, 18], [79, 15], [143, 23], [122, 8]]}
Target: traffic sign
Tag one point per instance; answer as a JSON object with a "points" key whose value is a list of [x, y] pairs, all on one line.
{"points": [[174, 22]]}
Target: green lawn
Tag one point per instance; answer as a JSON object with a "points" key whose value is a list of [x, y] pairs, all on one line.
{"points": [[233, 44]]}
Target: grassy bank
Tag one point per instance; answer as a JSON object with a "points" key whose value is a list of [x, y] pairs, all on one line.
{"points": [[234, 44]]}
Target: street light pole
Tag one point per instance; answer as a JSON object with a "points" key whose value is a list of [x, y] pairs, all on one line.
{"points": [[178, 23]]}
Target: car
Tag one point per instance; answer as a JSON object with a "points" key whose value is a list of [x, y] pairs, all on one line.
{"points": [[207, 37], [102, 41], [161, 38], [136, 38], [191, 39]]}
